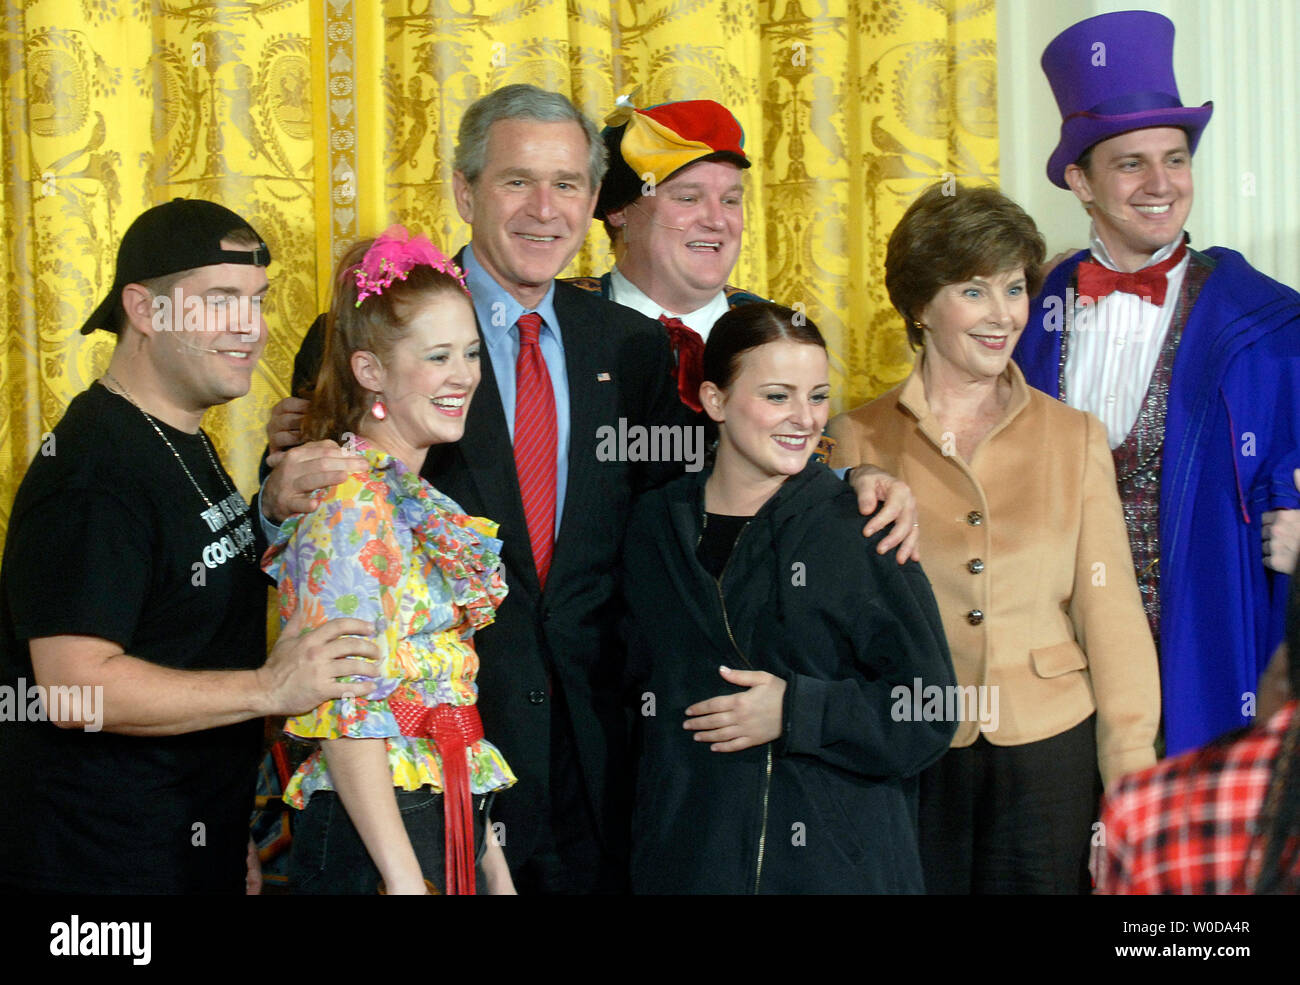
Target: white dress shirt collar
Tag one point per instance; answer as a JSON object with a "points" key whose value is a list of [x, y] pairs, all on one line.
{"points": [[700, 320], [1102, 255], [1115, 345]]}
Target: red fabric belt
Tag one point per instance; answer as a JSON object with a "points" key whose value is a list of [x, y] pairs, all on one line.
{"points": [[452, 729]]}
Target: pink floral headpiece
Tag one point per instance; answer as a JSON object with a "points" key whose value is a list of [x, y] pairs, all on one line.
{"points": [[391, 258]]}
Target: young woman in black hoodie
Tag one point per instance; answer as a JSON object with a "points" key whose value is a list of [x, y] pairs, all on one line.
{"points": [[774, 656]]}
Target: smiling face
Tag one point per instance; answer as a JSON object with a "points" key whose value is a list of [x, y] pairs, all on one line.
{"points": [[1138, 189], [680, 244], [531, 207], [774, 411], [426, 379], [970, 328], [206, 333]]}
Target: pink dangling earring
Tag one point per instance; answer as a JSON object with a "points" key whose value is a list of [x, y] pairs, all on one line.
{"points": [[378, 409]]}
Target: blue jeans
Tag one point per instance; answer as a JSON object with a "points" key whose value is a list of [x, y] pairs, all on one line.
{"points": [[329, 857]]}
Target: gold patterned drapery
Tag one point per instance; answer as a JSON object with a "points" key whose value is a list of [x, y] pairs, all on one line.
{"points": [[325, 120], [110, 108]]}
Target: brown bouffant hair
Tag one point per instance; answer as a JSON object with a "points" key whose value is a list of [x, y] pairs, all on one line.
{"points": [[747, 327], [951, 234], [338, 401]]}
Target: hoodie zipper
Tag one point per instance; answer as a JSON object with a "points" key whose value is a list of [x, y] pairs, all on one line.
{"points": [[767, 771]]}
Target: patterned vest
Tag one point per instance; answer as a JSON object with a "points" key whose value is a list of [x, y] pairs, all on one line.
{"points": [[1138, 459]]}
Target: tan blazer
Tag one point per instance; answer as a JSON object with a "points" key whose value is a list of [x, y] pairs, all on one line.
{"points": [[1026, 550]]}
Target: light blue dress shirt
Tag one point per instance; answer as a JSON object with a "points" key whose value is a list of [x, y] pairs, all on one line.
{"points": [[498, 314]]}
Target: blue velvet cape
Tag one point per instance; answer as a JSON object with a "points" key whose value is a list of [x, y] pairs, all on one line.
{"points": [[1232, 439]]}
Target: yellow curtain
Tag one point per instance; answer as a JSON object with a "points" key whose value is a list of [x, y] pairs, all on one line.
{"points": [[326, 120], [111, 108]]}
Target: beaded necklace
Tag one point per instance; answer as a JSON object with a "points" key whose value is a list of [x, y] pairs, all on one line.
{"points": [[122, 391]]}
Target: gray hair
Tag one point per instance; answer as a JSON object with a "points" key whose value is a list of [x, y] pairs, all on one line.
{"points": [[522, 102]]}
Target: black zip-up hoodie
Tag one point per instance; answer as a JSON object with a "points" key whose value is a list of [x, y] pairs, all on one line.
{"points": [[831, 805]]}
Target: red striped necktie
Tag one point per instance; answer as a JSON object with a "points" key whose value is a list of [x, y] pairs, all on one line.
{"points": [[535, 440]]}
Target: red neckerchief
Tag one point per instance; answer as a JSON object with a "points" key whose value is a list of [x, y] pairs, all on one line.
{"points": [[688, 347]]}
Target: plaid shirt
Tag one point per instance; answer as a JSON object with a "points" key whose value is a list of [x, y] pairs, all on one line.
{"points": [[1186, 825]]}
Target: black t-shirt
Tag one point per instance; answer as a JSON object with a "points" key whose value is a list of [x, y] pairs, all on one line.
{"points": [[109, 537], [717, 539]]}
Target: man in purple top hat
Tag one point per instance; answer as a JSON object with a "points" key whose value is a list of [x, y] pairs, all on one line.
{"points": [[1192, 361]]}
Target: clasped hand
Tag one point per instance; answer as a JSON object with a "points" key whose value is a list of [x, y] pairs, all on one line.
{"points": [[1281, 536], [733, 722]]}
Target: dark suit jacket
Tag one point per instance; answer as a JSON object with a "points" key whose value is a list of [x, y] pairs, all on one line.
{"points": [[619, 365]]}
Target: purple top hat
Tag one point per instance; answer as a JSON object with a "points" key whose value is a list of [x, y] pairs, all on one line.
{"points": [[1111, 74]]}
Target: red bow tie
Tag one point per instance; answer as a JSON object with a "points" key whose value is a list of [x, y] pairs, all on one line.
{"points": [[1149, 283], [688, 347]]}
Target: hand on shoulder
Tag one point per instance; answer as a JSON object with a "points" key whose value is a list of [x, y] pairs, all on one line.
{"points": [[299, 482]]}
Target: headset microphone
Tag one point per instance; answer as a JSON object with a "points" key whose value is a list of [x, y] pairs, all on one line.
{"points": [[198, 348], [678, 229], [1114, 215]]}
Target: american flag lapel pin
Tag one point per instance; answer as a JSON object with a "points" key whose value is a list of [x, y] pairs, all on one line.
{"points": [[602, 377]]}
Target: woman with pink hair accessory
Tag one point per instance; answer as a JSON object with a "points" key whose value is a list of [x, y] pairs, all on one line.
{"points": [[396, 795]]}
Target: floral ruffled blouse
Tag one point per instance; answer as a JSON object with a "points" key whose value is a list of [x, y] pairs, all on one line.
{"points": [[387, 547]]}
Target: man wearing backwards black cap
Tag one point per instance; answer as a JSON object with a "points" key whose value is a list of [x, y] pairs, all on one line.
{"points": [[133, 607], [1191, 360], [673, 205]]}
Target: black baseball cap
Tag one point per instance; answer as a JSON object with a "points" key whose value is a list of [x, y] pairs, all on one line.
{"points": [[182, 234]]}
